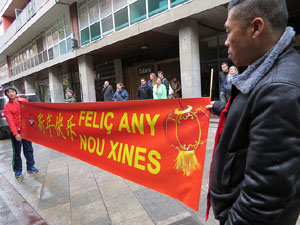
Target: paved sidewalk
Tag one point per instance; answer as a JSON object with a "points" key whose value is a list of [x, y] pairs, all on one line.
{"points": [[14, 209], [69, 191]]}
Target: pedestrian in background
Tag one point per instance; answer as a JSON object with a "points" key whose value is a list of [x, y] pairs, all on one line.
{"points": [[164, 81], [144, 91], [152, 80], [176, 87], [121, 94], [233, 71], [159, 90], [255, 170], [222, 76], [13, 117], [108, 92], [70, 97]]}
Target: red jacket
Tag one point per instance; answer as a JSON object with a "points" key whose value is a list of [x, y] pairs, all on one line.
{"points": [[13, 116]]}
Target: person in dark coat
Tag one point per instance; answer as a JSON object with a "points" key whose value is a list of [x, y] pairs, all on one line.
{"points": [[255, 170], [144, 91], [222, 77], [108, 92], [121, 93]]}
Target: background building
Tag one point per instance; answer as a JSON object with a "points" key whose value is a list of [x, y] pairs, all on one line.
{"points": [[49, 46]]}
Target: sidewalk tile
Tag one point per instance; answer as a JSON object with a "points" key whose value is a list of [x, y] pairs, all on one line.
{"points": [[174, 218], [158, 206], [55, 191], [90, 214], [140, 220], [125, 211], [58, 215], [85, 198]]}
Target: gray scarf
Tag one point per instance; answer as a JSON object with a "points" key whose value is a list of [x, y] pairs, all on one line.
{"points": [[246, 81]]}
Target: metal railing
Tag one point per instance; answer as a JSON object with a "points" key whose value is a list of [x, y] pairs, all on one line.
{"points": [[22, 18]]}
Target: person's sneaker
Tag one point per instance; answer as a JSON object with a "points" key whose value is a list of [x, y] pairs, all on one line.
{"points": [[18, 174], [33, 170]]}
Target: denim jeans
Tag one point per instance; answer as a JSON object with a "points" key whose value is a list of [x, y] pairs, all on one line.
{"points": [[27, 151]]}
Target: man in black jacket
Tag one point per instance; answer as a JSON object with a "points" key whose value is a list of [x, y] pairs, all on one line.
{"points": [[108, 92], [144, 91], [222, 77], [255, 171]]}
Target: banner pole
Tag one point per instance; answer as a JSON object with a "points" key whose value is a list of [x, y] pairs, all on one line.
{"points": [[211, 81]]}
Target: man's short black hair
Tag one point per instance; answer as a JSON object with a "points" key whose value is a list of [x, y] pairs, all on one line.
{"points": [[273, 11], [8, 89], [224, 63]]}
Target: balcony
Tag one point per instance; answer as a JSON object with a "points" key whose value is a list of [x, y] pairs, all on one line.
{"points": [[29, 23]]}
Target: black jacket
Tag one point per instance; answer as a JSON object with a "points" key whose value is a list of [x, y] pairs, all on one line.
{"points": [[165, 82], [145, 92], [222, 77], [255, 173], [108, 93]]}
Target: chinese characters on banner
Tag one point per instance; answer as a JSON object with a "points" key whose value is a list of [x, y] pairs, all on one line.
{"points": [[159, 144]]}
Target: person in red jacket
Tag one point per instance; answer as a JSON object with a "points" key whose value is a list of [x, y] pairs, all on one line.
{"points": [[13, 117]]}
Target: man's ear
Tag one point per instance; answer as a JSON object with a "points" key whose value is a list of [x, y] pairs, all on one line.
{"points": [[257, 27]]}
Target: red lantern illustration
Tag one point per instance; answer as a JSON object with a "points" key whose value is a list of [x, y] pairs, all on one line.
{"points": [[183, 131]]}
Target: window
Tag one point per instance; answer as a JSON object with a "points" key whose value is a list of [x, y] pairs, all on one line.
{"points": [[45, 56], [94, 20], [81, 2], [177, 2], [157, 6], [85, 36], [67, 26], [49, 39], [121, 19], [95, 31], [93, 11], [63, 48], [61, 31], [56, 51], [69, 45], [107, 25], [83, 17], [39, 43], [55, 35], [50, 53], [118, 4], [137, 11], [105, 8]]}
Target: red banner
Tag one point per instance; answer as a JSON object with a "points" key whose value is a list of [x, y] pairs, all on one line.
{"points": [[156, 143]]}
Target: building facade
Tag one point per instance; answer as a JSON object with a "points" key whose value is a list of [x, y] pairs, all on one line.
{"points": [[50, 46]]}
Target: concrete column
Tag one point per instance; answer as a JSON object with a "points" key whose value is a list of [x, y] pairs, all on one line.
{"points": [[118, 71], [46, 93], [29, 84], [56, 85], [87, 80], [189, 58], [18, 84]]}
